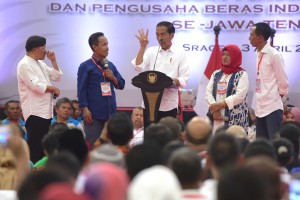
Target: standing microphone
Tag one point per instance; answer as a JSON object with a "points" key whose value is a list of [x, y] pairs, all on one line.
{"points": [[105, 61]]}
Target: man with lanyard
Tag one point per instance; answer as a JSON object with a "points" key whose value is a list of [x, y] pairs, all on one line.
{"points": [[97, 78], [271, 83], [164, 58], [137, 118]]}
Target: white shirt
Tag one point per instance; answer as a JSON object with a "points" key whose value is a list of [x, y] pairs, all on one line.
{"points": [[232, 100], [33, 78], [138, 137], [273, 81], [209, 189], [171, 62]]}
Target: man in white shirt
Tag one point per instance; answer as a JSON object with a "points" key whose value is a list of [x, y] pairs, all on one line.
{"points": [[137, 118], [166, 59], [36, 92], [271, 82]]}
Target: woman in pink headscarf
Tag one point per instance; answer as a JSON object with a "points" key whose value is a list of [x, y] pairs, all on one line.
{"points": [[293, 115], [227, 90]]}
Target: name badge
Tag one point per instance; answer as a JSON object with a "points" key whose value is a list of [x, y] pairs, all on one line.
{"points": [[105, 88], [222, 87], [257, 86]]}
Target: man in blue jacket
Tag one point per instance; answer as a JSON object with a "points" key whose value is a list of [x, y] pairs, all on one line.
{"points": [[97, 78]]}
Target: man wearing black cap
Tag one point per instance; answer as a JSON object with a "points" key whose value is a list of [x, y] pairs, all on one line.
{"points": [[36, 92]]}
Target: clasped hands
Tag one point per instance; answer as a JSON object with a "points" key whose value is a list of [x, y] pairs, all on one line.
{"points": [[215, 110]]}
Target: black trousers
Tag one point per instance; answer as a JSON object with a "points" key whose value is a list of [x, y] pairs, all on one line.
{"points": [[36, 128]]}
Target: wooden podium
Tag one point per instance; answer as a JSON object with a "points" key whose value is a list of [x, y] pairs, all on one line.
{"points": [[152, 85]]}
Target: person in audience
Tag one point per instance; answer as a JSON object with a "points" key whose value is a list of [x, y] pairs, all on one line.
{"points": [[105, 181], [271, 82], [72, 140], [50, 143], [158, 134], [96, 80], [169, 149], [12, 110], [237, 131], [242, 184], [14, 161], [140, 157], [157, 182], [36, 92], [174, 125], [107, 153], [252, 125], [137, 118], [291, 131], [293, 115], [186, 164], [77, 114], [63, 109], [260, 147], [227, 91], [223, 155], [197, 133], [164, 58]]}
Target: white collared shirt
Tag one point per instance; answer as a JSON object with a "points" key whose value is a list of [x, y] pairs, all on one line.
{"points": [[171, 62], [33, 78], [273, 81], [138, 137]]}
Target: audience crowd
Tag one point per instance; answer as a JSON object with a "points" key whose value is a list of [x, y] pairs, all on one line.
{"points": [[169, 160]]}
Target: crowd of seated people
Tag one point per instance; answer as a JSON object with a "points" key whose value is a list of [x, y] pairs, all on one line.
{"points": [[166, 161]]}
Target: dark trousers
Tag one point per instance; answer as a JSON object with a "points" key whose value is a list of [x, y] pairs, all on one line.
{"points": [[268, 126], [36, 128]]}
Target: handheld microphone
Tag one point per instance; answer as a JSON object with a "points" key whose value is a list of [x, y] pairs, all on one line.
{"points": [[105, 60], [156, 58]]}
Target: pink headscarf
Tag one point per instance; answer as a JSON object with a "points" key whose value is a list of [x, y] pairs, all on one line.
{"points": [[106, 181], [296, 112], [235, 57]]}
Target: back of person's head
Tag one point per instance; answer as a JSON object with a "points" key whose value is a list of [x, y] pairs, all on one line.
{"points": [[93, 39], [169, 149], [34, 42], [173, 124], [242, 184], [120, 128], [58, 127], [158, 134], [106, 181], [50, 142], [284, 150], [260, 147], [140, 157], [291, 131], [170, 27], [186, 164], [243, 143], [107, 153], [263, 29], [295, 111], [223, 150], [36, 181], [237, 131], [72, 140], [65, 162], [157, 182], [197, 133], [267, 168]]}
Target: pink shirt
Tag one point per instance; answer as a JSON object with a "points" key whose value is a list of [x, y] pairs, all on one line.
{"points": [[273, 81]]}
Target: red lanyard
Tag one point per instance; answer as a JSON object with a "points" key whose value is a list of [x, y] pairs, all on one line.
{"points": [[258, 66], [98, 67]]}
